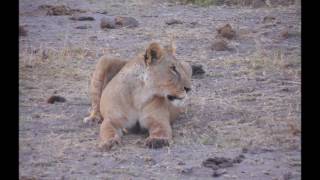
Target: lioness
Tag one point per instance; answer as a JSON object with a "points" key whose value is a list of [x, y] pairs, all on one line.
{"points": [[149, 90]]}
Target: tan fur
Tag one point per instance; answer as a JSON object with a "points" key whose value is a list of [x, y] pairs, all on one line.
{"points": [[105, 70], [139, 91]]}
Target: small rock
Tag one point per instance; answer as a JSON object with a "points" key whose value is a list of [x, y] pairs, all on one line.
{"points": [[187, 170], [266, 172], [54, 99], [84, 27], [93, 38], [244, 150], [60, 10], [150, 160], [108, 23], [219, 172], [102, 12], [22, 31], [118, 22], [197, 70], [194, 23], [226, 31], [82, 18], [173, 21], [226, 164], [238, 159], [217, 161], [268, 19], [181, 163], [259, 4], [285, 34], [220, 45], [126, 22]]}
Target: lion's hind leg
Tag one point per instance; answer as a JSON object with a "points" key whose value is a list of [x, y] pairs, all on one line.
{"points": [[105, 70]]}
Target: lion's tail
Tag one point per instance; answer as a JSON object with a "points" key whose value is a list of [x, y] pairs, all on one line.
{"points": [[105, 70]]}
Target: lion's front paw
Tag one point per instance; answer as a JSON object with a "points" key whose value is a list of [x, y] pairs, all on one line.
{"points": [[108, 144], [92, 119], [155, 143]]}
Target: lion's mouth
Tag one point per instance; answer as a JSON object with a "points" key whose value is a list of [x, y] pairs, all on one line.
{"points": [[172, 98]]}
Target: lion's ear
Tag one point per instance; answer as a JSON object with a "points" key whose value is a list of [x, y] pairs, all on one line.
{"points": [[172, 47], [153, 54]]}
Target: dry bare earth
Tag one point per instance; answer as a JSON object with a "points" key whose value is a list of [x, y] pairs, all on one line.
{"points": [[248, 102]]}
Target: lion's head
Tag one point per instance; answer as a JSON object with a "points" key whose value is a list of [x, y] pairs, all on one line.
{"points": [[165, 74]]}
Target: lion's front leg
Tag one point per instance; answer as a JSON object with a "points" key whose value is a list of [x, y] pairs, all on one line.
{"points": [[109, 135], [156, 119], [160, 132]]}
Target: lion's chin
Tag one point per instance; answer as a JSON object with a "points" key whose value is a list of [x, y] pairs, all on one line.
{"points": [[177, 101]]}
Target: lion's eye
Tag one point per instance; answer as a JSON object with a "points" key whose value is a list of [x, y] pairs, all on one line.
{"points": [[174, 69]]}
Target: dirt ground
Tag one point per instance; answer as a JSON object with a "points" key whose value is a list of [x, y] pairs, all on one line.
{"points": [[247, 103]]}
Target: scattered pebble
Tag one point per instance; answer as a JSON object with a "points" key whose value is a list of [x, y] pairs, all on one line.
{"points": [[126, 21], [59, 10], [118, 22], [81, 18], [217, 163], [53, 99], [187, 170], [219, 172], [107, 23], [93, 38], [84, 27], [226, 31], [258, 3], [102, 12], [197, 70], [173, 21]]}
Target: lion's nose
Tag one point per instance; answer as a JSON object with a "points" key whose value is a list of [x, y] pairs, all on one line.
{"points": [[187, 89]]}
